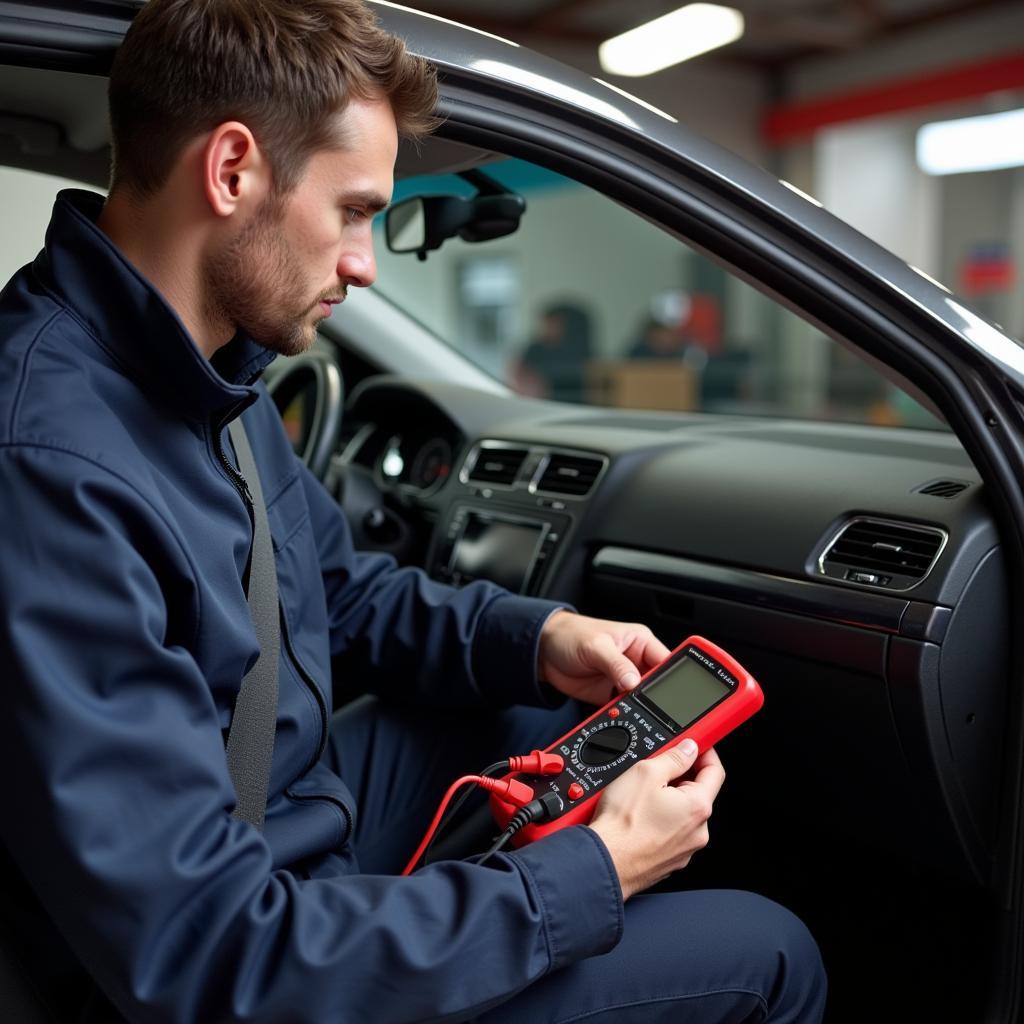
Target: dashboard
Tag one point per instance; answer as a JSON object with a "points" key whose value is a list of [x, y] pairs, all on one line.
{"points": [[855, 570], [895, 513]]}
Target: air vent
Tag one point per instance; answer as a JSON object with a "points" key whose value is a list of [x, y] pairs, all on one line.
{"points": [[569, 474], [882, 553], [496, 466], [943, 488]]}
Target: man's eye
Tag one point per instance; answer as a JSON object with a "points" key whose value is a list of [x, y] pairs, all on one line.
{"points": [[354, 214]]}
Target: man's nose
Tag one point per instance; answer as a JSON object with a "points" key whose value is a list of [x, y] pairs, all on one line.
{"points": [[357, 265]]}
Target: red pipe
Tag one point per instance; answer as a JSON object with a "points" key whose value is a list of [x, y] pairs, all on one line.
{"points": [[789, 122]]}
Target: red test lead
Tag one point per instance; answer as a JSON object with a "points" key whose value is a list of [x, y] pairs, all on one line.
{"points": [[509, 790], [537, 762], [512, 790]]}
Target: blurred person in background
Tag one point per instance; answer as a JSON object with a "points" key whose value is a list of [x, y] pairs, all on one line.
{"points": [[664, 334], [552, 364]]}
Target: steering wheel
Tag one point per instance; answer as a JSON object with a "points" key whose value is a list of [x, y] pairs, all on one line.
{"points": [[309, 394]]}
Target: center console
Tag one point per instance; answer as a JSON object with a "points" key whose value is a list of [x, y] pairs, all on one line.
{"points": [[488, 542], [511, 508]]}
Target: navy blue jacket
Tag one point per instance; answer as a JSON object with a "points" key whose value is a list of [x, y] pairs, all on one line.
{"points": [[124, 637]]}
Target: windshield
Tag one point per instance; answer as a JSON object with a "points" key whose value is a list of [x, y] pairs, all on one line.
{"points": [[587, 302]]}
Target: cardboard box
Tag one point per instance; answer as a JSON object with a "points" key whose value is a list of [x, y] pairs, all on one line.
{"points": [[666, 384]]}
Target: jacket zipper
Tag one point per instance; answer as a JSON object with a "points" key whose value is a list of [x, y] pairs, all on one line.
{"points": [[232, 474], [312, 687], [322, 705]]}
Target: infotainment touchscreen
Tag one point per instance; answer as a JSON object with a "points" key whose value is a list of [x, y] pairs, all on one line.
{"points": [[501, 550]]}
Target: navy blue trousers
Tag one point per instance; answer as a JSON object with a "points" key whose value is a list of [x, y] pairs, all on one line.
{"points": [[700, 957]]}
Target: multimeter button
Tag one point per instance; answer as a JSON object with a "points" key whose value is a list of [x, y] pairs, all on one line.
{"points": [[605, 745], [575, 791], [613, 712]]}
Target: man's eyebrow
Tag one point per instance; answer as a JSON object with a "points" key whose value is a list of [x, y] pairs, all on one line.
{"points": [[369, 200]]}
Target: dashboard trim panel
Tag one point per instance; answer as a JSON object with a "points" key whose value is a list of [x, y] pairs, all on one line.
{"points": [[800, 597]]}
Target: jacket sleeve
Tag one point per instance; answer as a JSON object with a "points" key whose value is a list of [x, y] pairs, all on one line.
{"points": [[119, 801], [404, 635]]}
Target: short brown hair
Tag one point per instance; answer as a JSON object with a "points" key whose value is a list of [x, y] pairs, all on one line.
{"points": [[281, 67]]}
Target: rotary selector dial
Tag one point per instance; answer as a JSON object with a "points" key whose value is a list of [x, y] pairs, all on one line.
{"points": [[605, 745]]}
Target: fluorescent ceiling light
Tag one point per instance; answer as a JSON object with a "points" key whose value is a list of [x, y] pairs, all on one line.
{"points": [[985, 143], [670, 39]]}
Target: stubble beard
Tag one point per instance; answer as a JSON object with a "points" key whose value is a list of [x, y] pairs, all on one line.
{"points": [[253, 283]]}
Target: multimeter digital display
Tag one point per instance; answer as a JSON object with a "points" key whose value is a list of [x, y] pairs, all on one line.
{"points": [[698, 692]]}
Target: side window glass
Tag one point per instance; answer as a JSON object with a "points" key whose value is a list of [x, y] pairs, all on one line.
{"points": [[587, 302]]}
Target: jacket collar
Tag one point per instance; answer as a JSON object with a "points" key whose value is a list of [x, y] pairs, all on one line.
{"points": [[133, 321]]}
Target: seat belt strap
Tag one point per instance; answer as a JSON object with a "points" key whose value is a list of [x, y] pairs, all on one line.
{"points": [[250, 744]]}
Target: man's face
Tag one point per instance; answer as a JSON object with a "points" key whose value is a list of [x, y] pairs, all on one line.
{"points": [[277, 278]]}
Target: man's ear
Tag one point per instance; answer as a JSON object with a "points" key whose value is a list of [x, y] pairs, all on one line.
{"points": [[235, 172]]}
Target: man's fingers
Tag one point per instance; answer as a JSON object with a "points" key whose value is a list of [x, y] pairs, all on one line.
{"points": [[609, 660], [644, 649], [709, 773]]}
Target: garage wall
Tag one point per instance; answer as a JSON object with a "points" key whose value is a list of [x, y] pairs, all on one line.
{"points": [[977, 212], [865, 171], [720, 101], [958, 40]]}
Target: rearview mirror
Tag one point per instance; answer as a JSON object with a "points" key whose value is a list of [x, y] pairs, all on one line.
{"points": [[406, 226], [422, 223]]}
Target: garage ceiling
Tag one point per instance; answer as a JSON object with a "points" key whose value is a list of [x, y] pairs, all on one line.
{"points": [[777, 31]]}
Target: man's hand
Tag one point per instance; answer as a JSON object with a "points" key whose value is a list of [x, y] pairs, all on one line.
{"points": [[592, 659], [654, 817]]}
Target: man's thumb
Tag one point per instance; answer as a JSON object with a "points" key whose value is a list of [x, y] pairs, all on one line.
{"points": [[678, 760]]}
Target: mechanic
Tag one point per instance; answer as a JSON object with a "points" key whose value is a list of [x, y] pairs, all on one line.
{"points": [[253, 142], [553, 363]]}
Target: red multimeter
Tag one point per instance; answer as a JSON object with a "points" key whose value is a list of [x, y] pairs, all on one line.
{"points": [[698, 692]]}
